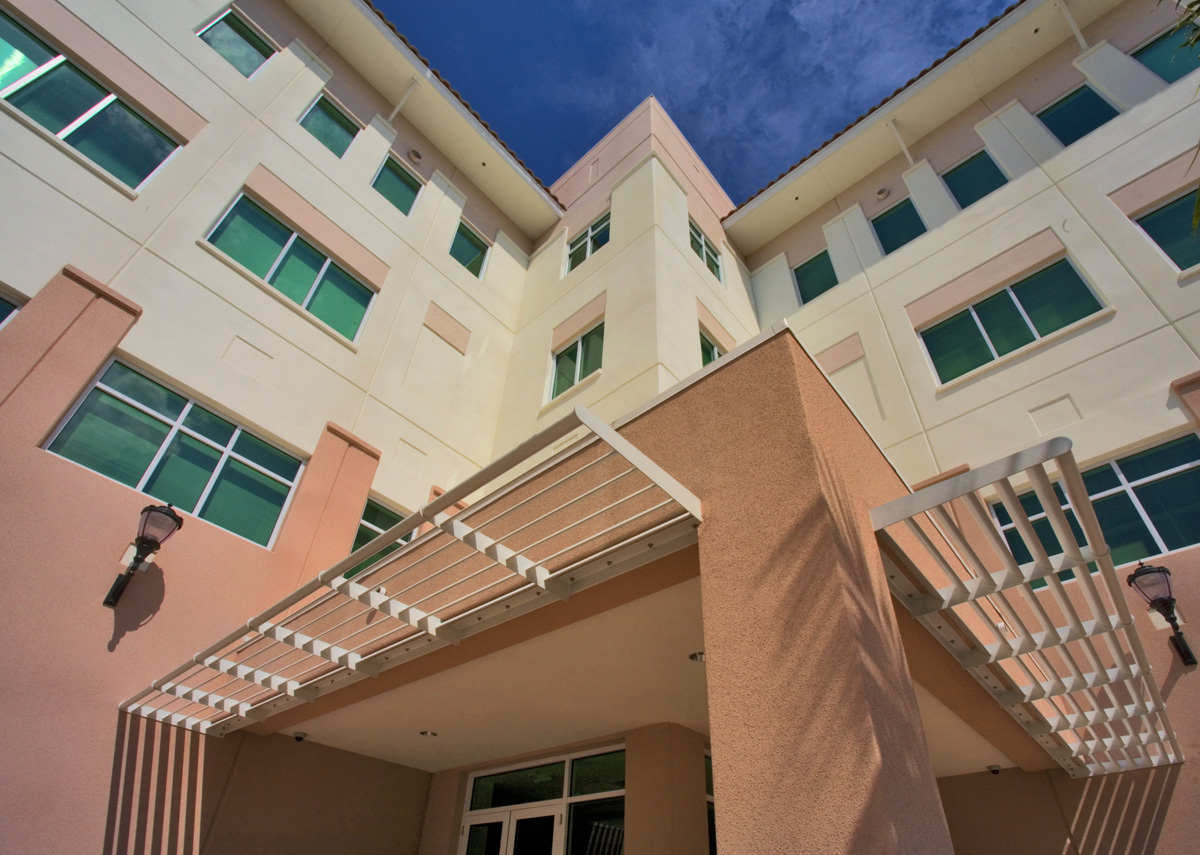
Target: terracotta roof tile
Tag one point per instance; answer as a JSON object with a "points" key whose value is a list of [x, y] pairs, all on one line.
{"points": [[460, 98]]}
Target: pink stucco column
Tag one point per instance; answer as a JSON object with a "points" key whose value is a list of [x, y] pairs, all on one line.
{"points": [[816, 739]]}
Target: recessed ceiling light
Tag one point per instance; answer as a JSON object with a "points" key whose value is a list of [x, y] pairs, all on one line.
{"points": [[414, 155], [429, 733], [698, 656], [882, 193]]}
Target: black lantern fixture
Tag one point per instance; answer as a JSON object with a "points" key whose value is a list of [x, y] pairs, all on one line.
{"points": [[156, 525], [1153, 584]]}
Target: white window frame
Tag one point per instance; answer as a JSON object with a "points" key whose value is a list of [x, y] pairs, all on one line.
{"points": [[1126, 487], [577, 343], [587, 236], [709, 250], [420, 184], [54, 62], [265, 281], [250, 25], [176, 426], [565, 801]]}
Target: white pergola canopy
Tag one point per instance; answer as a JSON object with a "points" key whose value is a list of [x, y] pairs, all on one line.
{"points": [[1064, 660], [591, 511]]}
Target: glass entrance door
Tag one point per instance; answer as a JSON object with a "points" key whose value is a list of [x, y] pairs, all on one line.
{"points": [[531, 831]]}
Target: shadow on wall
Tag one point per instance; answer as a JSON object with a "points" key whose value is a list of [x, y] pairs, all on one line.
{"points": [[154, 797], [1048, 813], [176, 792], [139, 604]]}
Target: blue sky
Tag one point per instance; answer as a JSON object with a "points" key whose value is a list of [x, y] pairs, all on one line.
{"points": [[753, 84]]}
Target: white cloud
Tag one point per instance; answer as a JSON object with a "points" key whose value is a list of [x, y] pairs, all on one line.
{"points": [[757, 84]]}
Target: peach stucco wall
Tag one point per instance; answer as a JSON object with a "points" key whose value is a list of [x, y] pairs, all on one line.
{"points": [[73, 660], [815, 730]]}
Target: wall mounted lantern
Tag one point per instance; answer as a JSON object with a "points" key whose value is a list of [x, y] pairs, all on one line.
{"points": [[1154, 586], [156, 525]]}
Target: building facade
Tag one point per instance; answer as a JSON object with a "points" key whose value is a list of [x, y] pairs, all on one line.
{"points": [[617, 459]]}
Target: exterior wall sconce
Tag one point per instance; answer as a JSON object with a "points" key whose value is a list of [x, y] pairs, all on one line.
{"points": [[156, 525], [1153, 584]]}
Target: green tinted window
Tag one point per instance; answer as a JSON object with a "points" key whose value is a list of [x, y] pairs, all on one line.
{"points": [[340, 301], [121, 441], [468, 249], [521, 786], [1055, 297], [591, 240], [1173, 504], [1002, 322], [577, 360], [251, 237], [1076, 115], [1168, 56], [1162, 458], [897, 226], [396, 185], [245, 501], [272, 251], [376, 519], [566, 366], [58, 97], [181, 453], [593, 352], [111, 437], [709, 352], [7, 310], [1171, 228], [234, 40], [815, 276], [1009, 320], [973, 179], [20, 51], [122, 142], [956, 346], [114, 136], [330, 125], [183, 472]]}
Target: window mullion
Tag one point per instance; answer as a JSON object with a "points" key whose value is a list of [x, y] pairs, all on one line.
{"points": [[1137, 505], [121, 396], [313, 289], [1024, 315], [75, 125], [46, 67], [983, 332], [212, 479], [162, 449], [250, 464], [578, 359], [1166, 473], [282, 255]]}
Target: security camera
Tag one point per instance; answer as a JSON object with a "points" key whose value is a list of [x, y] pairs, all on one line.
{"points": [[995, 770], [300, 736]]}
